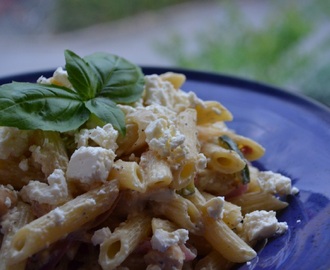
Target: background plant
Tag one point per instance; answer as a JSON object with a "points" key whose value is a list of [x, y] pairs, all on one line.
{"points": [[287, 49]]}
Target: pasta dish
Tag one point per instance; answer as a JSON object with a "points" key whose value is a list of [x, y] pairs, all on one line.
{"points": [[176, 190]]}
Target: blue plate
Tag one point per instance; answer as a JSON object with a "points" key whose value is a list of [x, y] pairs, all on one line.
{"points": [[296, 134]]}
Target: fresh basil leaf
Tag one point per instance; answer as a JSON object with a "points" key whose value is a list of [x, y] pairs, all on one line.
{"points": [[245, 175], [121, 81], [38, 106], [81, 75], [108, 112], [226, 142]]}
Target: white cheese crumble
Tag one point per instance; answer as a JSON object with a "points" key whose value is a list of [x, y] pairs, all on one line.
{"points": [[163, 137], [162, 240], [105, 137], [274, 182], [214, 207], [262, 224], [100, 235], [158, 91], [59, 216], [53, 193], [7, 221], [91, 201], [90, 164], [42, 155], [8, 202], [24, 165], [294, 191], [60, 77], [201, 162]]}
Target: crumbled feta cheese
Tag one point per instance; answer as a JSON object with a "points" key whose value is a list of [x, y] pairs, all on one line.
{"points": [[100, 235], [162, 92], [161, 112], [262, 224], [274, 182], [91, 201], [13, 142], [10, 218], [294, 191], [82, 138], [105, 137], [60, 77], [162, 240], [101, 192], [163, 137], [59, 215], [201, 162], [24, 165], [43, 80], [90, 164], [53, 193], [8, 202], [41, 155], [214, 207]]}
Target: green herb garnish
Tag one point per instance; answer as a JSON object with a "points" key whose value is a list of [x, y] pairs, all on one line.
{"points": [[226, 142], [100, 82]]}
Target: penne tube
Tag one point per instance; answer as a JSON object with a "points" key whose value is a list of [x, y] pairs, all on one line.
{"points": [[122, 242], [226, 242], [135, 138], [210, 112], [19, 216], [61, 221], [156, 171], [176, 79], [128, 174], [221, 159], [184, 173], [164, 224], [249, 148], [179, 210], [258, 201]]}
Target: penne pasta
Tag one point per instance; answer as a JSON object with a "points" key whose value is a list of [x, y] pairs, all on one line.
{"points": [[179, 210], [116, 248], [176, 79], [156, 171], [17, 217], [227, 242], [222, 160], [185, 172], [64, 219], [258, 201], [128, 174], [210, 112]]}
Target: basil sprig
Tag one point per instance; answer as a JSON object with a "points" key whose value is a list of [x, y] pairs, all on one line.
{"points": [[226, 142], [100, 82]]}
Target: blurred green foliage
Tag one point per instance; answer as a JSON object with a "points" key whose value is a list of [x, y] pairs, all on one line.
{"points": [[286, 49], [76, 14]]}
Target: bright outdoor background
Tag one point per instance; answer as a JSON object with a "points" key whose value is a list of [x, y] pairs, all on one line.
{"points": [[285, 43]]}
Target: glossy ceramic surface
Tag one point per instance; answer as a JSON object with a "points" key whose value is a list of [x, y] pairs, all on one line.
{"points": [[296, 134]]}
